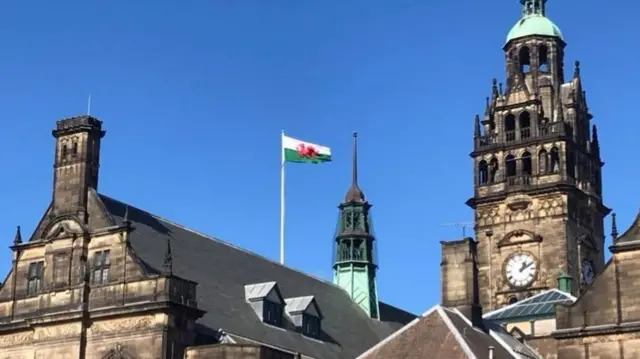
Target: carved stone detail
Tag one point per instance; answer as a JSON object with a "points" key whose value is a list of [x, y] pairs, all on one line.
{"points": [[125, 324], [14, 339], [58, 331]]}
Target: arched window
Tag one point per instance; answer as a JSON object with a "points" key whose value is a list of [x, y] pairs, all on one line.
{"points": [[512, 300], [543, 58], [543, 161], [510, 127], [483, 172], [525, 123], [554, 161], [525, 60], [74, 148], [65, 151], [493, 170], [510, 164], [526, 164]]}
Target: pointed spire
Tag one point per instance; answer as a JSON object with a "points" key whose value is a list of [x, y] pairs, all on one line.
{"points": [[500, 90], [576, 70], [594, 134], [18, 238], [168, 258], [614, 227], [476, 131], [354, 194], [494, 89], [487, 107]]}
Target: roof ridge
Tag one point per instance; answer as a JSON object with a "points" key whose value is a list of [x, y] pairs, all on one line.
{"points": [[201, 234], [399, 331], [456, 333]]}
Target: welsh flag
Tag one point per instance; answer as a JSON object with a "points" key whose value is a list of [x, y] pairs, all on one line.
{"points": [[304, 152]]}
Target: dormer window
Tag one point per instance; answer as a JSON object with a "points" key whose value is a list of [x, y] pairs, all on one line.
{"points": [[34, 279], [272, 313], [310, 325], [266, 301], [305, 315]]}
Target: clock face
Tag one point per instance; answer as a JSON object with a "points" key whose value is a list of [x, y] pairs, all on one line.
{"points": [[520, 269], [587, 272]]}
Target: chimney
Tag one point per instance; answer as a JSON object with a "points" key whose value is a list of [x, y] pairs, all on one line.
{"points": [[459, 276]]}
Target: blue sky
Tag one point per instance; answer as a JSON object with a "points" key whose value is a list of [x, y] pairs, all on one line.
{"points": [[194, 94]]}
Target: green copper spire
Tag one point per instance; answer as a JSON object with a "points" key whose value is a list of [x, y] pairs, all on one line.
{"points": [[354, 265], [533, 22]]}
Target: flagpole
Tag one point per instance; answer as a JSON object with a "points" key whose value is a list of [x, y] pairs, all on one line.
{"points": [[282, 199]]}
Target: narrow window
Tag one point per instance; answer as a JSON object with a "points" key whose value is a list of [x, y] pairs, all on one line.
{"points": [[74, 150], [543, 162], [493, 170], [525, 124], [510, 128], [543, 61], [510, 163], [101, 264], [526, 164], [554, 160], [483, 173], [525, 60], [64, 151], [34, 279]]}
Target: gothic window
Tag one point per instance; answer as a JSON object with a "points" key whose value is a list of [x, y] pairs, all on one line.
{"points": [[526, 164], [543, 60], [510, 164], [483, 172], [272, 313], [64, 151], [346, 250], [311, 326], [100, 270], [543, 161], [34, 277], [525, 60], [554, 160], [358, 253], [74, 148], [525, 124], [493, 170], [357, 223], [348, 220], [510, 128]]}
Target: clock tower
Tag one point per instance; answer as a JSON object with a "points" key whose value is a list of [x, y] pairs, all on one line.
{"points": [[537, 172]]}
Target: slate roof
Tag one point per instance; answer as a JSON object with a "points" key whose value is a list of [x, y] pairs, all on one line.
{"points": [[222, 271], [632, 234], [540, 305], [446, 333]]}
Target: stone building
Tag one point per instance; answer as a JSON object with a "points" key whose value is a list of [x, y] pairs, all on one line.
{"points": [[534, 281], [100, 279]]}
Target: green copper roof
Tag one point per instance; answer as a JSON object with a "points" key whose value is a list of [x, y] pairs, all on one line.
{"points": [[534, 25]]}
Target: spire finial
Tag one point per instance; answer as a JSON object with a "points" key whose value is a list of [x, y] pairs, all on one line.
{"points": [[576, 70], [594, 133], [168, 259], [354, 169], [18, 238], [476, 130], [614, 227], [500, 89], [354, 194]]}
